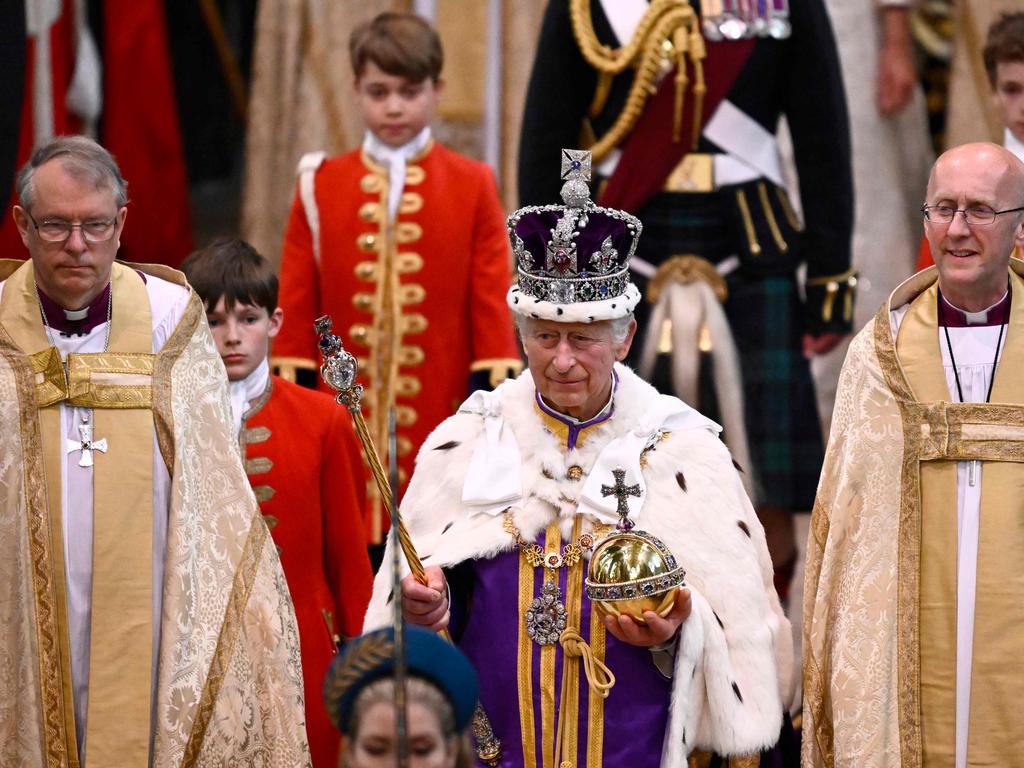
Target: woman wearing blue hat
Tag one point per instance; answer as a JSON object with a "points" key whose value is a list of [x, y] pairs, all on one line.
{"points": [[441, 692]]}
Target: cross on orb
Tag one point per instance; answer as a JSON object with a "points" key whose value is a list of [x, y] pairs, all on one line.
{"points": [[622, 492]]}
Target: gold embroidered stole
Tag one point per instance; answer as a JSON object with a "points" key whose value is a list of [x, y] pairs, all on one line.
{"points": [[118, 385], [994, 434], [559, 731]]}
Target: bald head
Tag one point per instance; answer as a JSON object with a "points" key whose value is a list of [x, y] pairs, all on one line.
{"points": [[972, 255], [984, 154]]}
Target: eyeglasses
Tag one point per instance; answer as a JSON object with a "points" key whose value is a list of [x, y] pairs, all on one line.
{"points": [[58, 231], [976, 214]]}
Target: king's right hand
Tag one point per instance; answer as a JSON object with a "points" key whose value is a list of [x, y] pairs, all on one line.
{"points": [[426, 606]]}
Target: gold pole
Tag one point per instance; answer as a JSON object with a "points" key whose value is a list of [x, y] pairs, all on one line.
{"points": [[339, 371]]}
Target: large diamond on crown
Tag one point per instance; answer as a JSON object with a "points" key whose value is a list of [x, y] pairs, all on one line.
{"points": [[561, 292]]}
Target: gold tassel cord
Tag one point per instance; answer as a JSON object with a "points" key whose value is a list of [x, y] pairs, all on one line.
{"points": [[599, 676], [698, 52]]}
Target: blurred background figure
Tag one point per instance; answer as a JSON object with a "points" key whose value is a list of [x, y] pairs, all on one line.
{"points": [[402, 241], [971, 114], [103, 69], [891, 154], [441, 690]]}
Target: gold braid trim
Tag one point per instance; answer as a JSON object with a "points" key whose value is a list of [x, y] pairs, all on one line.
{"points": [[686, 268], [666, 21]]}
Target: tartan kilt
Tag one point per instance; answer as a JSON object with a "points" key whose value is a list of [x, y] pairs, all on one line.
{"points": [[765, 314]]}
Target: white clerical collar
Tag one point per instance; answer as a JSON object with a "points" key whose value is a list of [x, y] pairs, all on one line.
{"points": [[1013, 144], [395, 158], [244, 391]]}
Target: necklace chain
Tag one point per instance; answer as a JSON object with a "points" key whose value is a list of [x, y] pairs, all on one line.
{"points": [[956, 373], [46, 321], [537, 556]]}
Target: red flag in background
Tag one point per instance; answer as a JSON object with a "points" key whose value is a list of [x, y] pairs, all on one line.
{"points": [[140, 127], [47, 69], [138, 122]]}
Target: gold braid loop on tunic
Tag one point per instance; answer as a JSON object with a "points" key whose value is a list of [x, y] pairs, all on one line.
{"points": [[668, 28]]}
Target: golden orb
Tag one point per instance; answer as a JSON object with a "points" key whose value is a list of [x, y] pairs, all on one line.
{"points": [[631, 572]]}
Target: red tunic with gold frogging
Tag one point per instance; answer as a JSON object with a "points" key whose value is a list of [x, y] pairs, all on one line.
{"points": [[420, 301], [303, 461]]}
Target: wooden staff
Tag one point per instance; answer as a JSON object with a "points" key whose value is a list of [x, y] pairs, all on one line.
{"points": [[339, 370]]}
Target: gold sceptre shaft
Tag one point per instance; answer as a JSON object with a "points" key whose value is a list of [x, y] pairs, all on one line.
{"points": [[339, 371]]}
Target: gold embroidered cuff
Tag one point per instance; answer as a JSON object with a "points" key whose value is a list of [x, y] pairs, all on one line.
{"points": [[830, 299], [288, 367], [498, 368]]}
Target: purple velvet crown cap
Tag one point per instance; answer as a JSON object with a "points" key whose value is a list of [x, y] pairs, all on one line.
{"points": [[572, 260], [534, 230]]}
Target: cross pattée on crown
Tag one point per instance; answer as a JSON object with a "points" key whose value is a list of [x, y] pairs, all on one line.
{"points": [[576, 165]]}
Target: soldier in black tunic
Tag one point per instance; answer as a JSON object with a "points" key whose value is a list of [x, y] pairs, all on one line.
{"points": [[696, 159]]}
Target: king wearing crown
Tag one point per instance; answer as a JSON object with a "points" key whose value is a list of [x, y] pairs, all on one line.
{"points": [[514, 494]]}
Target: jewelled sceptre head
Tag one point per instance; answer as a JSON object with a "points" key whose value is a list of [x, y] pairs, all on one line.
{"points": [[339, 370], [339, 367], [632, 571]]}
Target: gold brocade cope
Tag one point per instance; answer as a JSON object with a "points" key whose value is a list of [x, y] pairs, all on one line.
{"points": [[121, 632], [947, 433]]}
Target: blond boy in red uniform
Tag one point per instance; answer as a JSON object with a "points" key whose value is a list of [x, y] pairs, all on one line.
{"points": [[403, 242], [303, 461]]}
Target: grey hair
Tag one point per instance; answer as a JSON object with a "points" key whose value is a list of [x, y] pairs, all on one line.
{"points": [[619, 326], [83, 159]]}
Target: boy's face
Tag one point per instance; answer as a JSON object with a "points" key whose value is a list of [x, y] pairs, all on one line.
{"points": [[243, 335], [1008, 96], [394, 108]]}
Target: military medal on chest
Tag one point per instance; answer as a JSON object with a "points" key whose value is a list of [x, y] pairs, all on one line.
{"points": [[631, 571]]}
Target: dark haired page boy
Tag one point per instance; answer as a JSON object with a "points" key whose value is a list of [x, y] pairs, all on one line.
{"points": [[304, 464]]}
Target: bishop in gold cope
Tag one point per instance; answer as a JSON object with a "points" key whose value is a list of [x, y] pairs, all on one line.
{"points": [[914, 557], [146, 618]]}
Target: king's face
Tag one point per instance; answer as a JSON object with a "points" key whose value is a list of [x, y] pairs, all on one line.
{"points": [[571, 363]]}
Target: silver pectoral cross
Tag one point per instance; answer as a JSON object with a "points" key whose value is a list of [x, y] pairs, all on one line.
{"points": [[86, 445]]}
